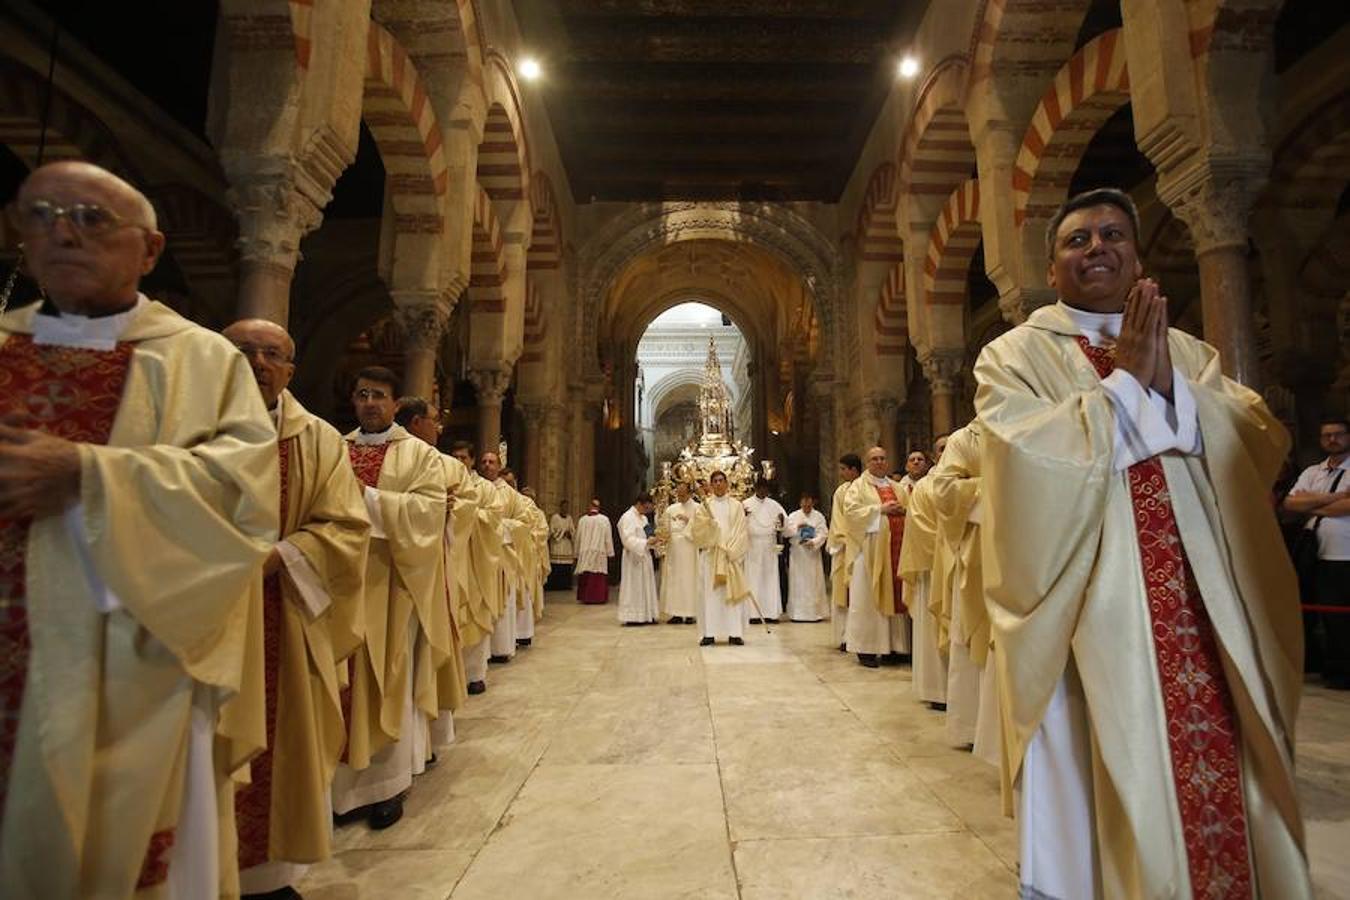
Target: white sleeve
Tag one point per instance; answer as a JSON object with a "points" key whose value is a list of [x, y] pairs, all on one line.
{"points": [[1143, 429], [1304, 483], [875, 525], [376, 514], [305, 579], [104, 599]]}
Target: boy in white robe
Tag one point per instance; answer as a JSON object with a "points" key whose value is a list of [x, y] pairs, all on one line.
{"points": [[637, 588], [808, 600]]}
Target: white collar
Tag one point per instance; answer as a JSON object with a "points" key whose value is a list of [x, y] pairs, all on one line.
{"points": [[879, 481], [1345, 464], [85, 332], [374, 437], [1098, 328]]}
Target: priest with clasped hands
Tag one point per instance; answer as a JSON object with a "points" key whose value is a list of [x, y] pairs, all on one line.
{"points": [[1149, 644]]}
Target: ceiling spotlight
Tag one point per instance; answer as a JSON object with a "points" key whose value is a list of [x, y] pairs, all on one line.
{"points": [[909, 67], [530, 69]]}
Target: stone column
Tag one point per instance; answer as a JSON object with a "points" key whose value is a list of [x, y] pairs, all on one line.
{"points": [[822, 403], [888, 416], [552, 465], [491, 385], [533, 414], [585, 418], [422, 317], [1215, 205], [942, 368], [274, 213]]}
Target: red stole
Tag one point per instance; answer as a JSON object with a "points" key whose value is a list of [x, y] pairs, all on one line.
{"points": [[1202, 730], [897, 531], [367, 460], [253, 801], [73, 393]]}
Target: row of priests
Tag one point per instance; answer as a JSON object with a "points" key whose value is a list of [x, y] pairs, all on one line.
{"points": [[221, 622], [1099, 596]]}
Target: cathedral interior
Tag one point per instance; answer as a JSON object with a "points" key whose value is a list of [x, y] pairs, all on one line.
{"points": [[515, 204], [496, 199]]}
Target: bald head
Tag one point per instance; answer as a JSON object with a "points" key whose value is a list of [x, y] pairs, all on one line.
{"points": [[89, 237], [270, 353], [876, 461]]}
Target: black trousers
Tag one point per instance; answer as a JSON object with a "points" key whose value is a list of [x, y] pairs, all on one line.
{"points": [[1333, 589], [559, 577]]}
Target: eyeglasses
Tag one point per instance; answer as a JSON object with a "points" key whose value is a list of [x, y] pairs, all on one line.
{"points": [[39, 217], [371, 394], [270, 355]]}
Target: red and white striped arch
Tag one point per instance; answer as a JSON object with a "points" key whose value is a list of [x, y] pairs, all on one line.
{"points": [[878, 229], [396, 108], [546, 240], [536, 325], [1087, 91], [486, 275], [937, 153], [503, 156], [891, 318], [956, 236]]}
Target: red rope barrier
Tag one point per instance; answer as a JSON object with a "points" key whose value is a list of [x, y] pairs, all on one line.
{"points": [[1323, 608]]}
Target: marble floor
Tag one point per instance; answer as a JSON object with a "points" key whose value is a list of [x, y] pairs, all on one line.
{"points": [[609, 762]]}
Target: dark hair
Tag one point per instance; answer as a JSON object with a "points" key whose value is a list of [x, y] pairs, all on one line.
{"points": [[464, 445], [1333, 420], [379, 374], [714, 473], [643, 497], [809, 493], [410, 408], [852, 460], [1098, 197]]}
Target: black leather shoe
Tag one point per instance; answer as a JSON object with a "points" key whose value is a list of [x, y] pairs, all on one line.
{"points": [[737, 642], [896, 659], [843, 648], [772, 621], [675, 620], [689, 620], [524, 642], [386, 813], [869, 660], [706, 642], [477, 687], [756, 621], [499, 660], [938, 707], [285, 893]]}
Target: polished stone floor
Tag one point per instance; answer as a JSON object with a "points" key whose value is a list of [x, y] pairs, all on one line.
{"points": [[610, 762]]}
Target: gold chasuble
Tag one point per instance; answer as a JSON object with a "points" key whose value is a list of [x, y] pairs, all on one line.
{"points": [[108, 634], [311, 610], [1161, 581], [542, 564], [879, 552], [838, 538], [919, 549], [404, 578], [727, 543], [954, 489], [452, 686], [518, 555], [476, 558]]}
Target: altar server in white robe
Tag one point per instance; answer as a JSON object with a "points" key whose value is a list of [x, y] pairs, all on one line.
{"points": [[873, 514], [850, 467], [920, 566], [680, 592], [764, 517], [723, 540], [595, 546], [808, 600], [637, 587]]}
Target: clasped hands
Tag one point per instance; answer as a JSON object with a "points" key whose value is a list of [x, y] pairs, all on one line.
{"points": [[1141, 348], [39, 473]]}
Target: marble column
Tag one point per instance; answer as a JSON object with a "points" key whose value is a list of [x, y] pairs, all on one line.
{"points": [[1215, 205], [274, 214], [532, 413], [422, 317], [551, 441], [942, 368], [822, 404], [491, 385]]}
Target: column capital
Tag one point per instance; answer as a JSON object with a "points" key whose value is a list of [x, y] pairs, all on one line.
{"points": [[1215, 201], [491, 384], [942, 367], [422, 317], [1020, 302], [274, 213], [883, 404]]}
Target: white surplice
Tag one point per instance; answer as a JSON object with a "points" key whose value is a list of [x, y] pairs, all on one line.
{"points": [[595, 544], [764, 521], [680, 589], [637, 587], [808, 598], [929, 668], [720, 620]]}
